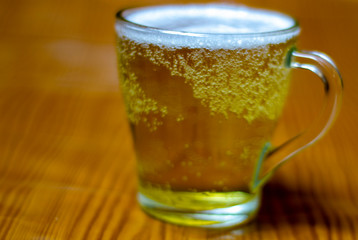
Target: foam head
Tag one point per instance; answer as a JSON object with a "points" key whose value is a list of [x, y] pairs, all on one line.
{"points": [[206, 25]]}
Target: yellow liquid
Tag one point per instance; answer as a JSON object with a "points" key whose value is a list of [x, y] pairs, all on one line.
{"points": [[201, 117]]}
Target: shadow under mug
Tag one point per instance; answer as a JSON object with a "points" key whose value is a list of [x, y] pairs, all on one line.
{"points": [[204, 86]]}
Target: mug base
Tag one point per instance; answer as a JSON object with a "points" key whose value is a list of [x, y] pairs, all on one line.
{"points": [[203, 209]]}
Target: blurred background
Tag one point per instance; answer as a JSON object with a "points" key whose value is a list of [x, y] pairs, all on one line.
{"points": [[67, 168]]}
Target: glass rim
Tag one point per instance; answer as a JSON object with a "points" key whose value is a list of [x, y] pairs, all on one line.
{"points": [[120, 18]]}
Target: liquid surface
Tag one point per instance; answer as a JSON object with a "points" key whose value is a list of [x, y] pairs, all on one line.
{"points": [[177, 24], [210, 18]]}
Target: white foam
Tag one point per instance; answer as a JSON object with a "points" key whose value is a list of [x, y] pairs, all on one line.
{"points": [[206, 25]]}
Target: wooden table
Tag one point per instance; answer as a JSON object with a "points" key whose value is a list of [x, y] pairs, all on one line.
{"points": [[67, 167]]}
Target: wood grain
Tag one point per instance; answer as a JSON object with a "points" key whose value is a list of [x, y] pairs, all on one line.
{"points": [[67, 167]]}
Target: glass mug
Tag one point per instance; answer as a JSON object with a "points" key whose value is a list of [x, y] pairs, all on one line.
{"points": [[204, 86]]}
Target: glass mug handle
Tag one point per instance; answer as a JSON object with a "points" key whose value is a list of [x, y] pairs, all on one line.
{"points": [[320, 64]]}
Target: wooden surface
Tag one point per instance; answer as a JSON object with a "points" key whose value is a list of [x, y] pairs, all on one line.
{"points": [[67, 168]]}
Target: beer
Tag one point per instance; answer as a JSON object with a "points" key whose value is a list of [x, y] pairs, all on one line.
{"points": [[201, 107]]}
